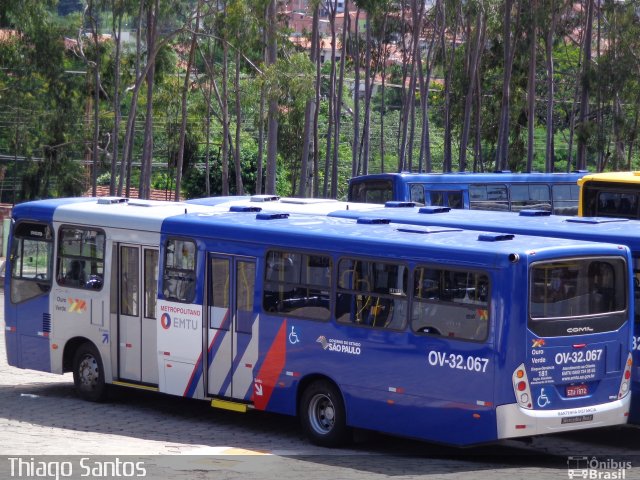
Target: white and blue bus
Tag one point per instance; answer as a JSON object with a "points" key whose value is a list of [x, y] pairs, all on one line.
{"points": [[347, 324], [529, 222], [506, 191]]}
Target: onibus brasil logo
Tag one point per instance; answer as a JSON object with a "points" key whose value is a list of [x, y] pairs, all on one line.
{"points": [[595, 468]]}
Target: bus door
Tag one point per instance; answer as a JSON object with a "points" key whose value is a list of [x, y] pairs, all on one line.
{"points": [[137, 295], [27, 317], [232, 327]]}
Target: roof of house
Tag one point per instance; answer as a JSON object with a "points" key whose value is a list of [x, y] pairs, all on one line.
{"points": [[155, 194]]}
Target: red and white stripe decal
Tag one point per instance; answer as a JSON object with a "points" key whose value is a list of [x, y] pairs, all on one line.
{"points": [[271, 369]]}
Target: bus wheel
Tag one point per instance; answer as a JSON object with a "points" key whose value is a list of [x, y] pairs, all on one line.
{"points": [[323, 415], [88, 374]]}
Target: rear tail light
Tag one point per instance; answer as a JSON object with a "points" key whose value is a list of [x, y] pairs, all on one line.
{"points": [[626, 379], [521, 387]]}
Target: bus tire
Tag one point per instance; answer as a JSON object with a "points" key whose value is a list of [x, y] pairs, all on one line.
{"points": [[323, 415], [88, 374]]}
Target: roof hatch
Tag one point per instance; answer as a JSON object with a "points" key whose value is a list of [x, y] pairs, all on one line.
{"points": [[596, 220], [535, 213], [244, 208], [434, 209], [271, 216], [495, 237]]}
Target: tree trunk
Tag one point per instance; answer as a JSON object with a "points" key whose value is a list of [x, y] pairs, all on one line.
{"points": [[316, 117], [338, 109], [355, 163], [581, 161], [272, 116], [367, 99], [183, 104], [550, 144], [207, 152], [225, 111], [410, 98], [447, 161], [382, 97], [144, 188], [125, 167], [502, 150], [96, 101], [259, 167], [332, 100], [531, 88], [309, 111], [425, 82], [116, 28], [474, 60], [237, 159]]}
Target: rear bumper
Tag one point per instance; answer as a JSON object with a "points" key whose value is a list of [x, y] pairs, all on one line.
{"points": [[514, 421]]}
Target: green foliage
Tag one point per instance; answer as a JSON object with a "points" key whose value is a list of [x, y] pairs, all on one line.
{"points": [[290, 80], [194, 185]]}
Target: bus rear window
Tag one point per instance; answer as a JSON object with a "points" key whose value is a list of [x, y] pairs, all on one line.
{"points": [[577, 288]]}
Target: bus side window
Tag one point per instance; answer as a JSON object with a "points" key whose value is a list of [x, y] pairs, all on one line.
{"points": [[488, 197], [437, 198], [417, 194], [372, 293], [80, 258], [179, 276], [454, 200], [530, 195], [565, 199], [450, 303], [297, 284]]}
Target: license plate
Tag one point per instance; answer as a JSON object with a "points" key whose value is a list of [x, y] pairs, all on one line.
{"points": [[577, 391], [581, 418]]}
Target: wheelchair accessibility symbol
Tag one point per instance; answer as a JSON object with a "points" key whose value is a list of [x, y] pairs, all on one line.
{"points": [[543, 400], [293, 336]]}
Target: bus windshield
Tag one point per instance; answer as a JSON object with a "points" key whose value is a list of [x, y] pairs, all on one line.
{"points": [[611, 194]]}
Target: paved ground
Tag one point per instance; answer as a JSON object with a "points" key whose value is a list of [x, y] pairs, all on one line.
{"points": [[43, 423]]}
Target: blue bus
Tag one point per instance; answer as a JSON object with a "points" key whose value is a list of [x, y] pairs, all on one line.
{"points": [[412, 331], [531, 222], [506, 191]]}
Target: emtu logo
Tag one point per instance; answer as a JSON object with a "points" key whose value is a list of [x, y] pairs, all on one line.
{"points": [[165, 321]]}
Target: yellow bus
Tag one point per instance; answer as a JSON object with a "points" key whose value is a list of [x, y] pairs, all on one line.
{"points": [[610, 194]]}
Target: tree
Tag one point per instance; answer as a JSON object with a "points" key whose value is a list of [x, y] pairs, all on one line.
{"points": [[272, 115], [584, 126], [502, 151], [183, 101], [310, 107], [474, 51]]}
